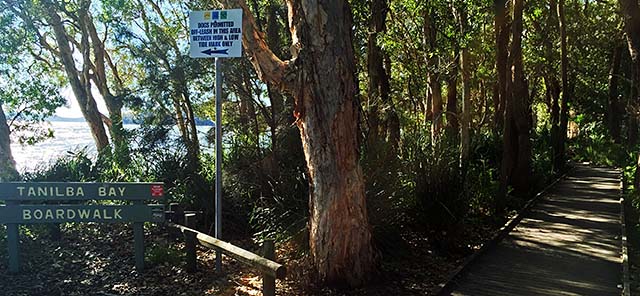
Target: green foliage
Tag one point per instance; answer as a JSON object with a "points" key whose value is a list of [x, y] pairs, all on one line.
{"points": [[481, 176], [440, 200], [542, 159], [275, 191], [75, 166], [594, 145]]}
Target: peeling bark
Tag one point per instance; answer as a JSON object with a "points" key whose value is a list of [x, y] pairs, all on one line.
{"points": [[321, 78]]}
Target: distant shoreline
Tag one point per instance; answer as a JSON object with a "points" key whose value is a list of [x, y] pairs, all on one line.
{"points": [[126, 120]]}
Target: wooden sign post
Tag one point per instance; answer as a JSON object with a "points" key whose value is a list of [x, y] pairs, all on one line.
{"points": [[33, 195]]}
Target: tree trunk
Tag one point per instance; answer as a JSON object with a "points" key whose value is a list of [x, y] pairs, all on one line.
{"points": [[436, 106], [383, 120], [80, 85], [452, 100], [553, 92], [434, 92], [613, 116], [465, 131], [516, 160], [321, 78], [553, 88], [114, 103], [327, 111], [631, 15], [566, 92], [465, 118], [502, 53], [8, 170], [378, 91]]}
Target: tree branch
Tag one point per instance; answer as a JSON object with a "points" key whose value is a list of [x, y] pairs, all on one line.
{"points": [[268, 66]]}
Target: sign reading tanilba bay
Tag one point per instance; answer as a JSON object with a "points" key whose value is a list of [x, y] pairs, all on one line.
{"points": [[80, 191]]}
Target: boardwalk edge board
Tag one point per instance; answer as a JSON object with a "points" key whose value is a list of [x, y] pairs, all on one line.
{"points": [[626, 282]]}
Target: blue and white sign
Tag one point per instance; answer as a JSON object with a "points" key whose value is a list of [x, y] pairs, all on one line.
{"points": [[215, 33]]}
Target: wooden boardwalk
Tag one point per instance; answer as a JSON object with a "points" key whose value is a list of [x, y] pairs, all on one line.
{"points": [[569, 244]]}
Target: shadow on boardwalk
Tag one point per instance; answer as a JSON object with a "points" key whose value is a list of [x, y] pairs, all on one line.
{"points": [[569, 244]]}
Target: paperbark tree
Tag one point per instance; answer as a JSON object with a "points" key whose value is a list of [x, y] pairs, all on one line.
{"points": [[452, 95], [7, 164], [552, 86], [321, 78], [516, 158], [434, 91], [80, 81], [566, 91], [465, 117], [501, 25], [613, 106], [631, 15], [378, 92]]}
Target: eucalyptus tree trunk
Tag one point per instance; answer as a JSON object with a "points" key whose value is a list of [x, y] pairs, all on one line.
{"points": [[113, 102], [167, 52], [80, 81], [434, 93], [378, 91], [321, 78], [631, 15], [516, 159], [501, 24], [613, 114], [566, 88], [553, 90], [465, 122], [8, 170], [452, 97]]}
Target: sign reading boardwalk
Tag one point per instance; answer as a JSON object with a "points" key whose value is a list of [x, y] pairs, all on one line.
{"points": [[60, 192], [215, 33], [59, 210]]}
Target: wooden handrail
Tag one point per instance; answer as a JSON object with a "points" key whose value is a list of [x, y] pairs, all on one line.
{"points": [[265, 265]]}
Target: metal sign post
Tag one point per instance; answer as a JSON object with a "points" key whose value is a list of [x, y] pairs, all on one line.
{"points": [[218, 203], [216, 34]]}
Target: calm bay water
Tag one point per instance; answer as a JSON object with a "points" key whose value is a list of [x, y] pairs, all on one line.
{"points": [[68, 137]]}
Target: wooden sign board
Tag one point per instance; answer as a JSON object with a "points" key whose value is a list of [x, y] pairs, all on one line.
{"points": [[34, 195], [32, 214], [80, 191]]}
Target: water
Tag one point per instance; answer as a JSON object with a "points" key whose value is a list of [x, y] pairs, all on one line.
{"points": [[68, 137]]}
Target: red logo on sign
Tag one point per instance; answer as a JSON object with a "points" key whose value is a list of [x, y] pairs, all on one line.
{"points": [[157, 191]]}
